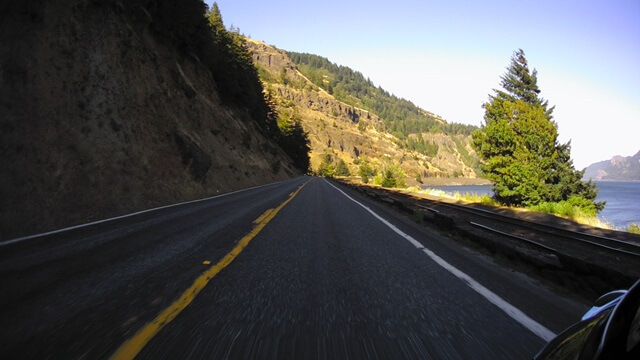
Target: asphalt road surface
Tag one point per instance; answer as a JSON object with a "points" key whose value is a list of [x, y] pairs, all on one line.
{"points": [[268, 273]]}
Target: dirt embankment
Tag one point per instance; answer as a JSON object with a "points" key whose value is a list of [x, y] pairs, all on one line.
{"points": [[103, 113]]}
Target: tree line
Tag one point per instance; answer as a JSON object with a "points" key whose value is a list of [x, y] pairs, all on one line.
{"points": [[237, 77], [400, 116]]}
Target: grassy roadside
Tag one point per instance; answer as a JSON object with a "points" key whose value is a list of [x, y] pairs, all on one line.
{"points": [[563, 209]]}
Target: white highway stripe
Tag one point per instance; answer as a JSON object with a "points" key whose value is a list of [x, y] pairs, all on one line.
{"points": [[132, 214], [509, 309]]}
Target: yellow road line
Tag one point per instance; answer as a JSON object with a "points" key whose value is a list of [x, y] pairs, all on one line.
{"points": [[135, 344], [263, 216]]}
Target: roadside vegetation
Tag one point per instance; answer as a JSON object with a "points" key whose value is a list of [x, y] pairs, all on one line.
{"points": [[520, 152], [239, 81], [332, 166], [633, 228]]}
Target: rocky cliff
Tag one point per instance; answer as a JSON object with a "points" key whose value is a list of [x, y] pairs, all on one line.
{"points": [[619, 168], [107, 108], [347, 132]]}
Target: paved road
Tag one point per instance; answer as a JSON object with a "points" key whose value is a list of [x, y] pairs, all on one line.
{"points": [[321, 278]]}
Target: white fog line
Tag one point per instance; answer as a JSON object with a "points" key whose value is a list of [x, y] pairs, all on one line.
{"points": [[509, 309], [12, 241]]}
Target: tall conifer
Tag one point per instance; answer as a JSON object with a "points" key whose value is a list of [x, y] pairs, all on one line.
{"points": [[519, 146]]}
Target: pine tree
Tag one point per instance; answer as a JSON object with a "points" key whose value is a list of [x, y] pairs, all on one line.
{"points": [[521, 84], [342, 169], [238, 81], [519, 145], [366, 171], [389, 180], [217, 25]]}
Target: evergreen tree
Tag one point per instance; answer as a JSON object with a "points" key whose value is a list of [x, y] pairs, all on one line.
{"points": [[521, 84], [389, 180], [366, 171], [326, 168], [238, 81], [342, 169], [519, 145], [217, 25]]}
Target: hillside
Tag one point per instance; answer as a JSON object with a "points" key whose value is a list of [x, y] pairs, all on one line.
{"points": [[400, 116], [619, 168], [347, 124], [110, 107]]}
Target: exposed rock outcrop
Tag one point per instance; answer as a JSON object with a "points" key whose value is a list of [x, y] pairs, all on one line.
{"points": [[347, 132], [106, 109]]}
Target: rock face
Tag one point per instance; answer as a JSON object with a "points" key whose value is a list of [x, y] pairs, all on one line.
{"points": [[347, 132], [619, 168], [104, 113]]}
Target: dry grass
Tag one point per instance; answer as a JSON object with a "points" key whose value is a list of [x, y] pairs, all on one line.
{"points": [[474, 198]]}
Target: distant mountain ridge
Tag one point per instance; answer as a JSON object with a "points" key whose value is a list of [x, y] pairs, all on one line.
{"points": [[618, 168]]}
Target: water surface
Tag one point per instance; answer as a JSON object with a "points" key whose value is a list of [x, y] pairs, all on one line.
{"points": [[622, 197]]}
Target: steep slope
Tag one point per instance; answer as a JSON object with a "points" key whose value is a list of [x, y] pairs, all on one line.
{"points": [[351, 133], [110, 107], [619, 168]]}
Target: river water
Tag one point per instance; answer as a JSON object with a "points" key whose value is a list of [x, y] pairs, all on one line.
{"points": [[623, 200]]}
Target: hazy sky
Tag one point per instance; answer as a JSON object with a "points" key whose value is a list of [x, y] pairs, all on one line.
{"points": [[447, 56]]}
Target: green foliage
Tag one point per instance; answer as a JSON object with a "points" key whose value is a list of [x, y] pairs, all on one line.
{"points": [[295, 142], [401, 117], [419, 178], [420, 145], [470, 161], [282, 77], [263, 74], [366, 171], [388, 180], [342, 169], [225, 54], [573, 208], [633, 228], [521, 84], [519, 145], [391, 176], [326, 166]]}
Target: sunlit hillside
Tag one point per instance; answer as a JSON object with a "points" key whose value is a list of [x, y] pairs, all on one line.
{"points": [[349, 126]]}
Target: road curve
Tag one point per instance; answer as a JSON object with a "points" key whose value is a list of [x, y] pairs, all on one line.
{"points": [[323, 278]]}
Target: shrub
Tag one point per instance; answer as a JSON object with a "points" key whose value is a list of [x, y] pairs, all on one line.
{"points": [[389, 180], [633, 228]]}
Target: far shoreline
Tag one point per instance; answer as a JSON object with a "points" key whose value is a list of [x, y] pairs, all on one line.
{"points": [[450, 182]]}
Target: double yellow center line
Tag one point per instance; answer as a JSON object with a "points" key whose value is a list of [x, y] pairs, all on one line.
{"points": [[135, 344]]}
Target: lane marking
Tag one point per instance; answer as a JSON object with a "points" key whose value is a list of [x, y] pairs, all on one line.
{"points": [[266, 213], [509, 309], [29, 237], [130, 348]]}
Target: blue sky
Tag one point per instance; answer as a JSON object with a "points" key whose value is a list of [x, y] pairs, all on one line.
{"points": [[447, 56]]}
